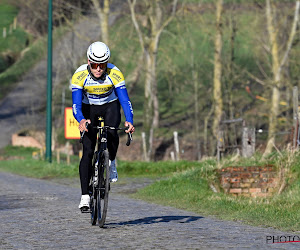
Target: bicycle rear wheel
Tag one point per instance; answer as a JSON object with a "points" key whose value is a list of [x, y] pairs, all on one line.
{"points": [[102, 196]]}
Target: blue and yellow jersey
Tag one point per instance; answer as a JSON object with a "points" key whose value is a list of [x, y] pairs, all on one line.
{"points": [[88, 90]]}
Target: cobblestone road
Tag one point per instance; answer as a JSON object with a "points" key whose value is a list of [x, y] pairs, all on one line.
{"points": [[38, 214]]}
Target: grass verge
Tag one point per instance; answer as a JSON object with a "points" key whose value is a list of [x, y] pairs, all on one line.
{"points": [[18, 160], [190, 190]]}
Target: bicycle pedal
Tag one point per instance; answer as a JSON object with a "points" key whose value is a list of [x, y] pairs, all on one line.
{"points": [[85, 210]]}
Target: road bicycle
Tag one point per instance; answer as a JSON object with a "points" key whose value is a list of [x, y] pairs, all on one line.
{"points": [[100, 180]]}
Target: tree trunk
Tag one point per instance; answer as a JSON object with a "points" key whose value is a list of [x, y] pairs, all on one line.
{"points": [[276, 80], [217, 92], [273, 120], [102, 11], [230, 66], [276, 69], [153, 52], [148, 105], [196, 112], [149, 41]]}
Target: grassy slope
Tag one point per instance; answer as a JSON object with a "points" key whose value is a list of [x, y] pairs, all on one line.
{"points": [[21, 47], [15, 40], [12, 46]]}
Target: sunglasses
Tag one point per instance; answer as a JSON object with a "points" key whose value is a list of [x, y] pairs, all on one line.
{"points": [[96, 65]]}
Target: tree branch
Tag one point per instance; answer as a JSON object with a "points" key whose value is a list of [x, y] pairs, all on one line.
{"points": [[291, 37], [175, 2], [135, 23], [253, 77]]}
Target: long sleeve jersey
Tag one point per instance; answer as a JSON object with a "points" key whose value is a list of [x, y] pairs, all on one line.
{"points": [[110, 87]]}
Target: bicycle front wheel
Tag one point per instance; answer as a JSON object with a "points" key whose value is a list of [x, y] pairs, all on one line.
{"points": [[104, 185], [93, 190]]}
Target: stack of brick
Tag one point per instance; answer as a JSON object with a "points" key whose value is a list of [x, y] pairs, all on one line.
{"points": [[254, 181]]}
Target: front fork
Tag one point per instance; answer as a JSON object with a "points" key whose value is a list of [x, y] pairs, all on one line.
{"points": [[96, 180]]}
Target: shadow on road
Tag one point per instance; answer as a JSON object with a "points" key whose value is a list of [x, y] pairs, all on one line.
{"points": [[158, 219]]}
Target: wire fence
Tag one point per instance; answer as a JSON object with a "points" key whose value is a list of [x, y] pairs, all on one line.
{"points": [[188, 149]]}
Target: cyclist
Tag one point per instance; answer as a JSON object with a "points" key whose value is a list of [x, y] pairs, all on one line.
{"points": [[98, 89]]}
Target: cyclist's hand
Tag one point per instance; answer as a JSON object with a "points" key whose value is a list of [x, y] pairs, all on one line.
{"points": [[130, 129], [82, 125]]}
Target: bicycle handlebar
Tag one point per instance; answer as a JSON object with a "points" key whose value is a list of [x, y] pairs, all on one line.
{"points": [[129, 139]]}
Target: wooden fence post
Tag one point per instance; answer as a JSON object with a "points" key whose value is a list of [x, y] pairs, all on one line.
{"points": [[15, 23], [68, 152], [220, 144], [4, 32], [248, 142], [172, 155], [176, 143], [58, 156], [41, 153], [144, 146], [198, 149]]}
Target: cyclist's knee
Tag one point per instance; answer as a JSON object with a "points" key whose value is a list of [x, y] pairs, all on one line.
{"points": [[88, 153], [112, 135]]}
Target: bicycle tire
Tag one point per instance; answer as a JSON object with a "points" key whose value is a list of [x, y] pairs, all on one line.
{"points": [[94, 188], [102, 192], [93, 210]]}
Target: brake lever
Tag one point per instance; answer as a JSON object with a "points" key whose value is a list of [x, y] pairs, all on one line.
{"points": [[86, 125], [129, 139]]}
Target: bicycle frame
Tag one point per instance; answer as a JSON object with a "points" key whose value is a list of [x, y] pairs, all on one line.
{"points": [[101, 144]]}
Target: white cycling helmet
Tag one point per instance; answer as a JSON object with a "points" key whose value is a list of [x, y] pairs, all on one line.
{"points": [[98, 52]]}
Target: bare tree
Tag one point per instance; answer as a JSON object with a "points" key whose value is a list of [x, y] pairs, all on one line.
{"points": [[231, 75], [217, 92], [102, 10], [156, 18], [278, 61], [195, 78]]}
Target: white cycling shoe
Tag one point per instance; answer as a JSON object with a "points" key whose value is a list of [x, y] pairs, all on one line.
{"points": [[84, 202], [113, 171]]}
